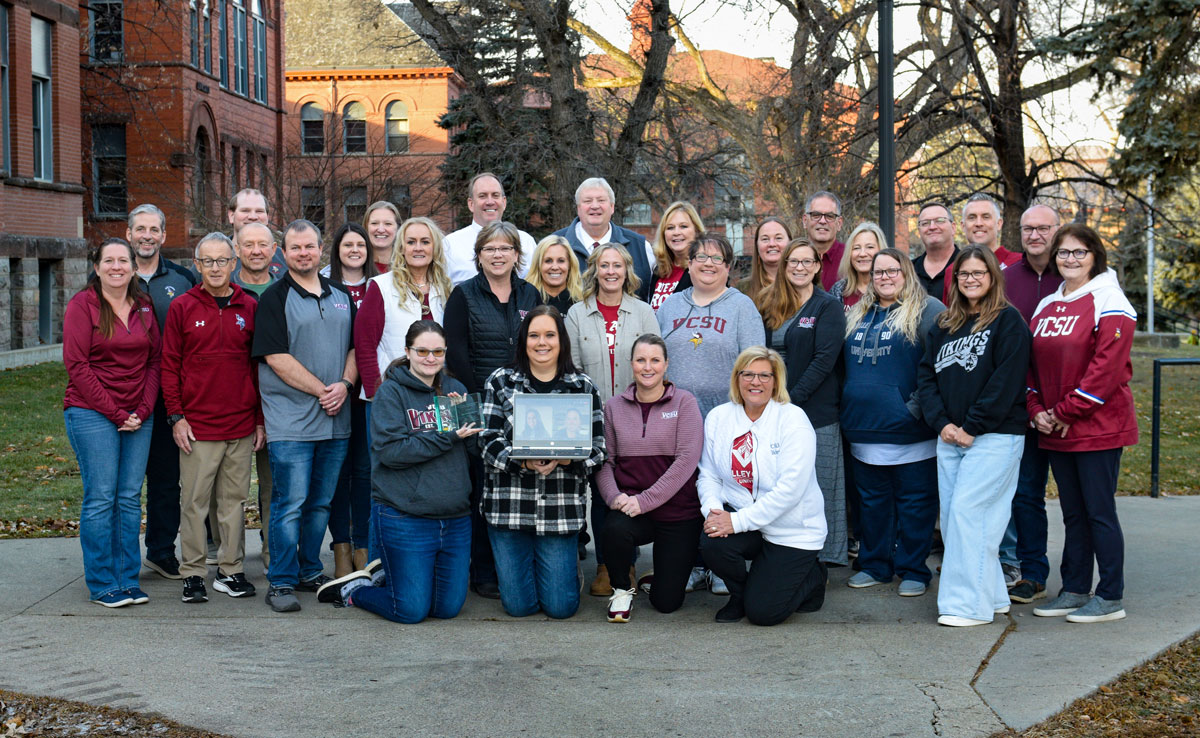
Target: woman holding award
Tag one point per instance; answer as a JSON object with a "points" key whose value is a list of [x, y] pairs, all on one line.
{"points": [[534, 508]]}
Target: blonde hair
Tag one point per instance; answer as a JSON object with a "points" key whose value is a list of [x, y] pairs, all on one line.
{"points": [[779, 392], [993, 303], [573, 286], [780, 301], [906, 318], [846, 266], [591, 282], [435, 276], [664, 258]]}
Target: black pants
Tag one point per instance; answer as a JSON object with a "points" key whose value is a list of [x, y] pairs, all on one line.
{"points": [[781, 579], [483, 564], [674, 553], [162, 488], [1087, 485]]}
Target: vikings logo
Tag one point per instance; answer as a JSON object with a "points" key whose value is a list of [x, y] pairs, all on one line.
{"points": [[170, 292], [241, 322], [696, 339]]}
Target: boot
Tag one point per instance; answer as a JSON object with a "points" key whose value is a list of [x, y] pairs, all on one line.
{"points": [[360, 559], [601, 587], [342, 563]]}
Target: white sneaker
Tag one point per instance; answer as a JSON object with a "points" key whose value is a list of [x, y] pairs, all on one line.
{"points": [[1003, 609], [620, 605], [955, 621], [716, 585], [698, 579]]}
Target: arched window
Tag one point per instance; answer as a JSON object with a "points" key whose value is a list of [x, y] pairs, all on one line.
{"points": [[200, 174], [312, 129], [397, 127], [354, 128]]}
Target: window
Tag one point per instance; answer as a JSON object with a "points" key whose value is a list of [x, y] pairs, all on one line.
{"points": [[312, 129], [5, 162], [241, 79], [207, 40], [236, 170], [200, 173], [397, 128], [106, 31], [108, 170], [43, 103], [354, 128], [260, 51], [312, 205], [637, 214], [354, 204], [402, 200], [223, 42], [194, 32]]}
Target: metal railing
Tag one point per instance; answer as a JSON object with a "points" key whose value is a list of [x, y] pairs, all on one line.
{"points": [[1179, 322], [1156, 425]]}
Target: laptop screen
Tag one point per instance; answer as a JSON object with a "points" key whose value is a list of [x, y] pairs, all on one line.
{"points": [[552, 426]]}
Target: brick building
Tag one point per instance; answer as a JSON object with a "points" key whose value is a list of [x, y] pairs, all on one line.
{"points": [[182, 105], [42, 251], [364, 93]]}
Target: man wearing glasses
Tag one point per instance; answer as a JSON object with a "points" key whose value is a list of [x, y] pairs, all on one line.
{"points": [[214, 416], [935, 226], [822, 220]]}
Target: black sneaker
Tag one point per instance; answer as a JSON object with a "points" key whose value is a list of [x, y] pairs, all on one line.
{"points": [[167, 568], [193, 590], [312, 585], [331, 591], [732, 612], [1026, 591], [488, 590], [234, 585]]}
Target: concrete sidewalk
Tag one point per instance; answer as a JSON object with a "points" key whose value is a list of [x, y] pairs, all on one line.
{"points": [[869, 664]]}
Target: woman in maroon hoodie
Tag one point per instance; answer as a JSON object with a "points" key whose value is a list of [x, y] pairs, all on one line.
{"points": [[111, 350], [654, 433]]}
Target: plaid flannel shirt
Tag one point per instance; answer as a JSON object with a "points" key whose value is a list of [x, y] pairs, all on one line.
{"points": [[515, 498]]}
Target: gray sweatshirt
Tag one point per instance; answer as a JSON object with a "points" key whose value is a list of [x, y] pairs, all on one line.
{"points": [[703, 342]]}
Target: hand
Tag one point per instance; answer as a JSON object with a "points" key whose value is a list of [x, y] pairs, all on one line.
{"points": [[1044, 422], [1059, 425], [467, 430], [182, 432], [965, 439], [260, 437], [333, 398], [632, 507], [541, 466], [131, 424], [949, 433], [619, 502], [454, 394], [719, 524]]}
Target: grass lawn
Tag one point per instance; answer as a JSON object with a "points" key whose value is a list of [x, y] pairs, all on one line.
{"points": [[40, 489]]}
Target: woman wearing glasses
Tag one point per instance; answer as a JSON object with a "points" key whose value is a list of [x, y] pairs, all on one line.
{"points": [[806, 326], [1080, 402], [420, 493], [760, 498], [892, 449], [482, 318], [972, 389]]}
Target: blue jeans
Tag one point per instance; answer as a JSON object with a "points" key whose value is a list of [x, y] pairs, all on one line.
{"points": [[304, 475], [536, 572], [112, 464], [976, 486], [897, 511], [425, 562], [1008, 544], [350, 509], [1029, 511]]}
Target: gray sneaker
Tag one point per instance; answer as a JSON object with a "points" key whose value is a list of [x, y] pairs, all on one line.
{"points": [[1065, 604], [1097, 610], [281, 599], [1012, 575]]}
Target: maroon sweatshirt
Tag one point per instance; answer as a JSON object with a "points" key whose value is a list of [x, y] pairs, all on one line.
{"points": [[208, 376], [115, 376], [656, 459]]}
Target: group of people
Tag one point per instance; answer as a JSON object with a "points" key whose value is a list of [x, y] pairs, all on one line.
{"points": [[756, 434]]}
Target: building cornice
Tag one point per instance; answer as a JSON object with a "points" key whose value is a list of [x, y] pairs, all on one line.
{"points": [[321, 75]]}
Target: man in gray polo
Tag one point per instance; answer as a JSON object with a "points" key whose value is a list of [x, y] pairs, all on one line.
{"points": [[303, 337]]}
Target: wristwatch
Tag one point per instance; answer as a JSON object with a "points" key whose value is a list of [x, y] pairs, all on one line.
{"points": [[349, 385], [173, 419]]}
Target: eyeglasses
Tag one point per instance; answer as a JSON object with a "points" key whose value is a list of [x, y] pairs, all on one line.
{"points": [[1077, 254], [806, 263], [493, 250], [714, 258], [210, 263], [1042, 230], [822, 217], [889, 273], [977, 276], [932, 221], [763, 377], [423, 352]]}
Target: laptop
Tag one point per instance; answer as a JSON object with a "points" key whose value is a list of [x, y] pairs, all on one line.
{"points": [[551, 426]]}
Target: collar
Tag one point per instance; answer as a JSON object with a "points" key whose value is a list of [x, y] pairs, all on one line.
{"points": [[292, 283], [587, 240]]}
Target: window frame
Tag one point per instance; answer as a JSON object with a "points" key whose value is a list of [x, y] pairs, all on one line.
{"points": [[102, 155], [307, 133], [42, 114], [223, 38], [5, 119], [259, 38], [389, 120], [194, 34], [241, 76], [119, 33], [307, 210], [360, 129]]}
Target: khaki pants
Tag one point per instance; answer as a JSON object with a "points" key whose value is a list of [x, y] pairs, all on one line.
{"points": [[262, 463], [215, 471]]}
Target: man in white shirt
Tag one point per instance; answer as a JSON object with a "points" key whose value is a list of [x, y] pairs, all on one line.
{"points": [[486, 201]]}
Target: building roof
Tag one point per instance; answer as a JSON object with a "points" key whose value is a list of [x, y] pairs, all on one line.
{"points": [[355, 34]]}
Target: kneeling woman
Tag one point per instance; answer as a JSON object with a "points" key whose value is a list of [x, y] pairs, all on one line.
{"points": [[534, 508], [653, 433], [759, 493], [420, 490]]}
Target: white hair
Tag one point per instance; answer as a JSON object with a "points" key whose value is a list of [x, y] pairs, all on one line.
{"points": [[592, 183], [219, 238]]}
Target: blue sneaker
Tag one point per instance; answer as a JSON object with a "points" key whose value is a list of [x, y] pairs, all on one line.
{"points": [[863, 579], [139, 597], [910, 588], [114, 599]]}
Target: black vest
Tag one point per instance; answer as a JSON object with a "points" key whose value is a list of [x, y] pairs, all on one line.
{"points": [[494, 325]]}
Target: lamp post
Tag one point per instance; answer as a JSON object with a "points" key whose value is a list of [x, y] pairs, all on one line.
{"points": [[887, 125]]}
